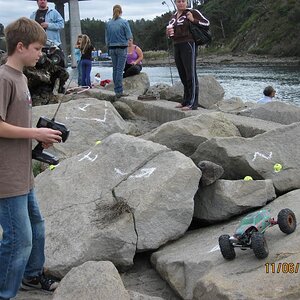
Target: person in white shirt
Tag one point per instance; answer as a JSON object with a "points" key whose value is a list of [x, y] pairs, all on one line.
{"points": [[97, 78], [269, 94]]}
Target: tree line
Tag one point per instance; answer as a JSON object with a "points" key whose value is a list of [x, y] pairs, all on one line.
{"points": [[148, 34], [259, 27]]}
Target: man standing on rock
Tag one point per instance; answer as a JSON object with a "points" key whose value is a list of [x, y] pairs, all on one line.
{"points": [[50, 19]]}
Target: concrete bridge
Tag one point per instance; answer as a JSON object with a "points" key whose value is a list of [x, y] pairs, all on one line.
{"points": [[75, 27]]}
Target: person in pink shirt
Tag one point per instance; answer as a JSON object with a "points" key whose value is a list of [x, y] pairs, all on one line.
{"points": [[134, 59]]}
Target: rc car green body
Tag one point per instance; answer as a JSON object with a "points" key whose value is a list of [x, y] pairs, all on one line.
{"points": [[250, 232]]}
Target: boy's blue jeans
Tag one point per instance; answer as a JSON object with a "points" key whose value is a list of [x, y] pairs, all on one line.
{"points": [[22, 244], [118, 58]]}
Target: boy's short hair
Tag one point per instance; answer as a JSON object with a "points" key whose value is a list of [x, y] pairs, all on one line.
{"points": [[25, 31], [268, 91]]}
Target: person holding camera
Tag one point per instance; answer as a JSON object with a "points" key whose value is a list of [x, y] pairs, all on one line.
{"points": [[22, 255], [185, 51], [50, 19]]}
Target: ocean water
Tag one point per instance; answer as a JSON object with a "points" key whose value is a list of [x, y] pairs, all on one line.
{"points": [[246, 82]]}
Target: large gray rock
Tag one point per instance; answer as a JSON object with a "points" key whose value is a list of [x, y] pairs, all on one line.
{"points": [[133, 85], [275, 111], [138, 296], [101, 94], [121, 196], [89, 120], [124, 110], [143, 278], [161, 111], [225, 199], [257, 156], [250, 127], [187, 134], [195, 268], [168, 92], [210, 91], [233, 105], [210, 172], [92, 281]]}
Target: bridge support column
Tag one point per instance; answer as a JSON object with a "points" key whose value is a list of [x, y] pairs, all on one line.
{"points": [[75, 27], [60, 7]]}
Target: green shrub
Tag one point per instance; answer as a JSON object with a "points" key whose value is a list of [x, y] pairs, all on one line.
{"points": [[294, 15], [152, 55], [38, 167]]}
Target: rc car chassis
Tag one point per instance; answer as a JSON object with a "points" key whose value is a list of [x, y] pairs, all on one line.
{"points": [[250, 232]]}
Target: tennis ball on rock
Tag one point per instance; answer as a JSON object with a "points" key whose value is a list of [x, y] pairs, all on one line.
{"points": [[52, 167], [247, 178], [277, 168], [97, 142]]}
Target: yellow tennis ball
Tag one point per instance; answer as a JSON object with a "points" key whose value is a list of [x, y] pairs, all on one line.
{"points": [[247, 178], [52, 167], [277, 168], [97, 142]]}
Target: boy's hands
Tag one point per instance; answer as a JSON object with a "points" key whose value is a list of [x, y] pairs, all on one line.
{"points": [[45, 135], [48, 136], [47, 145], [44, 25]]}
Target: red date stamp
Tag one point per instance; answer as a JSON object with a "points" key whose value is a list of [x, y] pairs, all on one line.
{"points": [[284, 268]]}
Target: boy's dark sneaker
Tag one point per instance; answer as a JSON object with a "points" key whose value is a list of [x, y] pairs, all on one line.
{"points": [[40, 282]]}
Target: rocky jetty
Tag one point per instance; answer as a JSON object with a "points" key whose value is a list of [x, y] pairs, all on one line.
{"points": [[122, 198]]}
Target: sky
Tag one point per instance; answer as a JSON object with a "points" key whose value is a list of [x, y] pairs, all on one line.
{"points": [[98, 9]]}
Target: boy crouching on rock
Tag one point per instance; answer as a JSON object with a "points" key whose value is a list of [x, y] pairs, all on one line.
{"points": [[22, 245]]}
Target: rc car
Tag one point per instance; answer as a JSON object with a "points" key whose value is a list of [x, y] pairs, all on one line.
{"points": [[250, 232]]}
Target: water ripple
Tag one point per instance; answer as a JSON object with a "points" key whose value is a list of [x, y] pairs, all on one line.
{"points": [[246, 82]]}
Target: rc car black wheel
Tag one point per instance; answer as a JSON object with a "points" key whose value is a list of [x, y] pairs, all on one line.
{"points": [[226, 247], [259, 245], [286, 221]]}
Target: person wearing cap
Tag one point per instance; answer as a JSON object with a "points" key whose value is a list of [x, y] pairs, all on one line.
{"points": [[269, 94]]}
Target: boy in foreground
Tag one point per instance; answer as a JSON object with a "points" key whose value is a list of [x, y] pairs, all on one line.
{"points": [[22, 245]]}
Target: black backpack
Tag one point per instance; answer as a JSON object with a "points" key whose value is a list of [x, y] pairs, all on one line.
{"points": [[201, 34]]}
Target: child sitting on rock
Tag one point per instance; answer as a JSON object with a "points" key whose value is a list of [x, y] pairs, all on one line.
{"points": [[97, 79]]}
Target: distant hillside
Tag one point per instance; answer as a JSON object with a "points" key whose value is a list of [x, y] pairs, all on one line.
{"points": [[250, 26], [258, 26]]}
